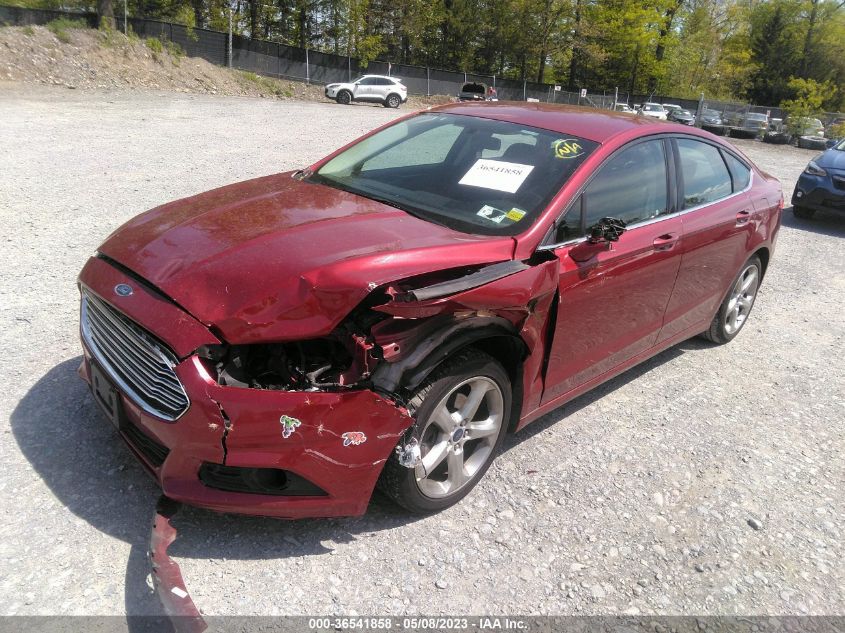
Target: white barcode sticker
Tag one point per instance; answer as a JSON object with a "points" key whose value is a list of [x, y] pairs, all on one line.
{"points": [[496, 174]]}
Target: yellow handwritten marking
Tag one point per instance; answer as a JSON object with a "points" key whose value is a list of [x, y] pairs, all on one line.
{"points": [[567, 148]]}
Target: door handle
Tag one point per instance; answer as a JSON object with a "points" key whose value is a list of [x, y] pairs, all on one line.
{"points": [[742, 217], [665, 242]]}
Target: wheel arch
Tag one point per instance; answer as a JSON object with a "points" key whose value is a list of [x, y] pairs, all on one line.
{"points": [[494, 336], [763, 253]]}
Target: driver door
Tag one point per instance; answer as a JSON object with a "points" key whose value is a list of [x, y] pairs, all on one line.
{"points": [[612, 305]]}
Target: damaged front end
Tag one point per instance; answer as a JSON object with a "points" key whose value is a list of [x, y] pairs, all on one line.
{"points": [[394, 338], [302, 428], [394, 330]]}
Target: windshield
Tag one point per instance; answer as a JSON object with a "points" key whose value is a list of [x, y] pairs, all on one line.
{"points": [[840, 145], [756, 117], [653, 108], [471, 174]]}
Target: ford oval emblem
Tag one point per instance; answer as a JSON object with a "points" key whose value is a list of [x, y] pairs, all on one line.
{"points": [[124, 290]]}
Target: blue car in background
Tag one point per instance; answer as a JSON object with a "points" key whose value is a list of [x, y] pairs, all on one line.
{"points": [[821, 186]]}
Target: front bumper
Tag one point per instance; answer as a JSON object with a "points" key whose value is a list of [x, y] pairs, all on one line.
{"points": [[820, 193], [239, 427]]}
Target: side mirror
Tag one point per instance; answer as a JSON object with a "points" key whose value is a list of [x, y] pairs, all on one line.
{"points": [[602, 235]]}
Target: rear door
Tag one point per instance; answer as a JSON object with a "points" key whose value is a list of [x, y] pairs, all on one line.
{"points": [[384, 87], [611, 307], [718, 223]]}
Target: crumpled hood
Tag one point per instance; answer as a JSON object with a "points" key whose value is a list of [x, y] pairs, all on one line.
{"points": [[279, 259], [832, 159]]}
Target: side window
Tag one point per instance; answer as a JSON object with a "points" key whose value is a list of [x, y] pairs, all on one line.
{"points": [[429, 148], [631, 186], [368, 81], [739, 171], [568, 227], [706, 177]]}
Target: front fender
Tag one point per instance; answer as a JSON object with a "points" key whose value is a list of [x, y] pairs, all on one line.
{"points": [[434, 343]]}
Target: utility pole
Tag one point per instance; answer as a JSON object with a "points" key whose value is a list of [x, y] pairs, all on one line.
{"points": [[125, 31], [229, 60]]}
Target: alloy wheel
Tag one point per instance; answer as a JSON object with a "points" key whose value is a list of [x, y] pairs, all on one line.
{"points": [[459, 436], [741, 299]]}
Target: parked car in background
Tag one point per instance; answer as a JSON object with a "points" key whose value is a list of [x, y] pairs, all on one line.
{"points": [[711, 120], [804, 126], [821, 186], [747, 124], [386, 315], [654, 110], [681, 116], [777, 133], [473, 91], [670, 107], [624, 107], [388, 91]]}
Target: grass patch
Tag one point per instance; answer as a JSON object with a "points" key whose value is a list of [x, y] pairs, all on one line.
{"points": [[176, 51], [157, 48], [155, 45], [28, 31], [60, 27], [266, 84]]}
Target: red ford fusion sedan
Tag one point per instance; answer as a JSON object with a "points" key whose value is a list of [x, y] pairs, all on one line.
{"points": [[383, 317]]}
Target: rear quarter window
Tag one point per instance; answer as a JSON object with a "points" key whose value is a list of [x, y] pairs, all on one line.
{"points": [[740, 172], [705, 175]]}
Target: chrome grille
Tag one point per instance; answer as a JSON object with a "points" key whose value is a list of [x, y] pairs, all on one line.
{"points": [[140, 365]]}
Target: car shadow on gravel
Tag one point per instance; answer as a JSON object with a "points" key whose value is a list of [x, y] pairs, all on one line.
{"points": [[573, 406], [79, 456], [824, 223]]}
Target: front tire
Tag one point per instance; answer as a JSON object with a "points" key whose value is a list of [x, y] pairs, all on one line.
{"points": [[462, 412], [733, 313], [392, 101], [803, 213], [343, 97]]}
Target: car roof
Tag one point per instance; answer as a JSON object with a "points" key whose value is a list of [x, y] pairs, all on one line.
{"points": [[589, 123]]}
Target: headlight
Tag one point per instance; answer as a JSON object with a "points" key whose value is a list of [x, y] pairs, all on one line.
{"points": [[814, 170]]}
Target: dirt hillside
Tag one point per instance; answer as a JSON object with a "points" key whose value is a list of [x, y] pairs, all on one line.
{"points": [[88, 59]]}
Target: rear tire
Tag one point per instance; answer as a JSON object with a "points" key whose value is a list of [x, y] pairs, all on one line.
{"points": [[803, 213], [732, 315], [392, 101], [343, 97], [462, 411]]}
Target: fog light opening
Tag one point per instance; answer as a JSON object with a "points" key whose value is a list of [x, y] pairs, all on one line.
{"points": [[262, 481]]}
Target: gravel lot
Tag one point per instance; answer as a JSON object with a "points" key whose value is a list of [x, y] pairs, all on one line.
{"points": [[706, 481]]}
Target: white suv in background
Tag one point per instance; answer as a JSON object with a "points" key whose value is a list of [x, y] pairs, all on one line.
{"points": [[654, 110], [388, 91]]}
